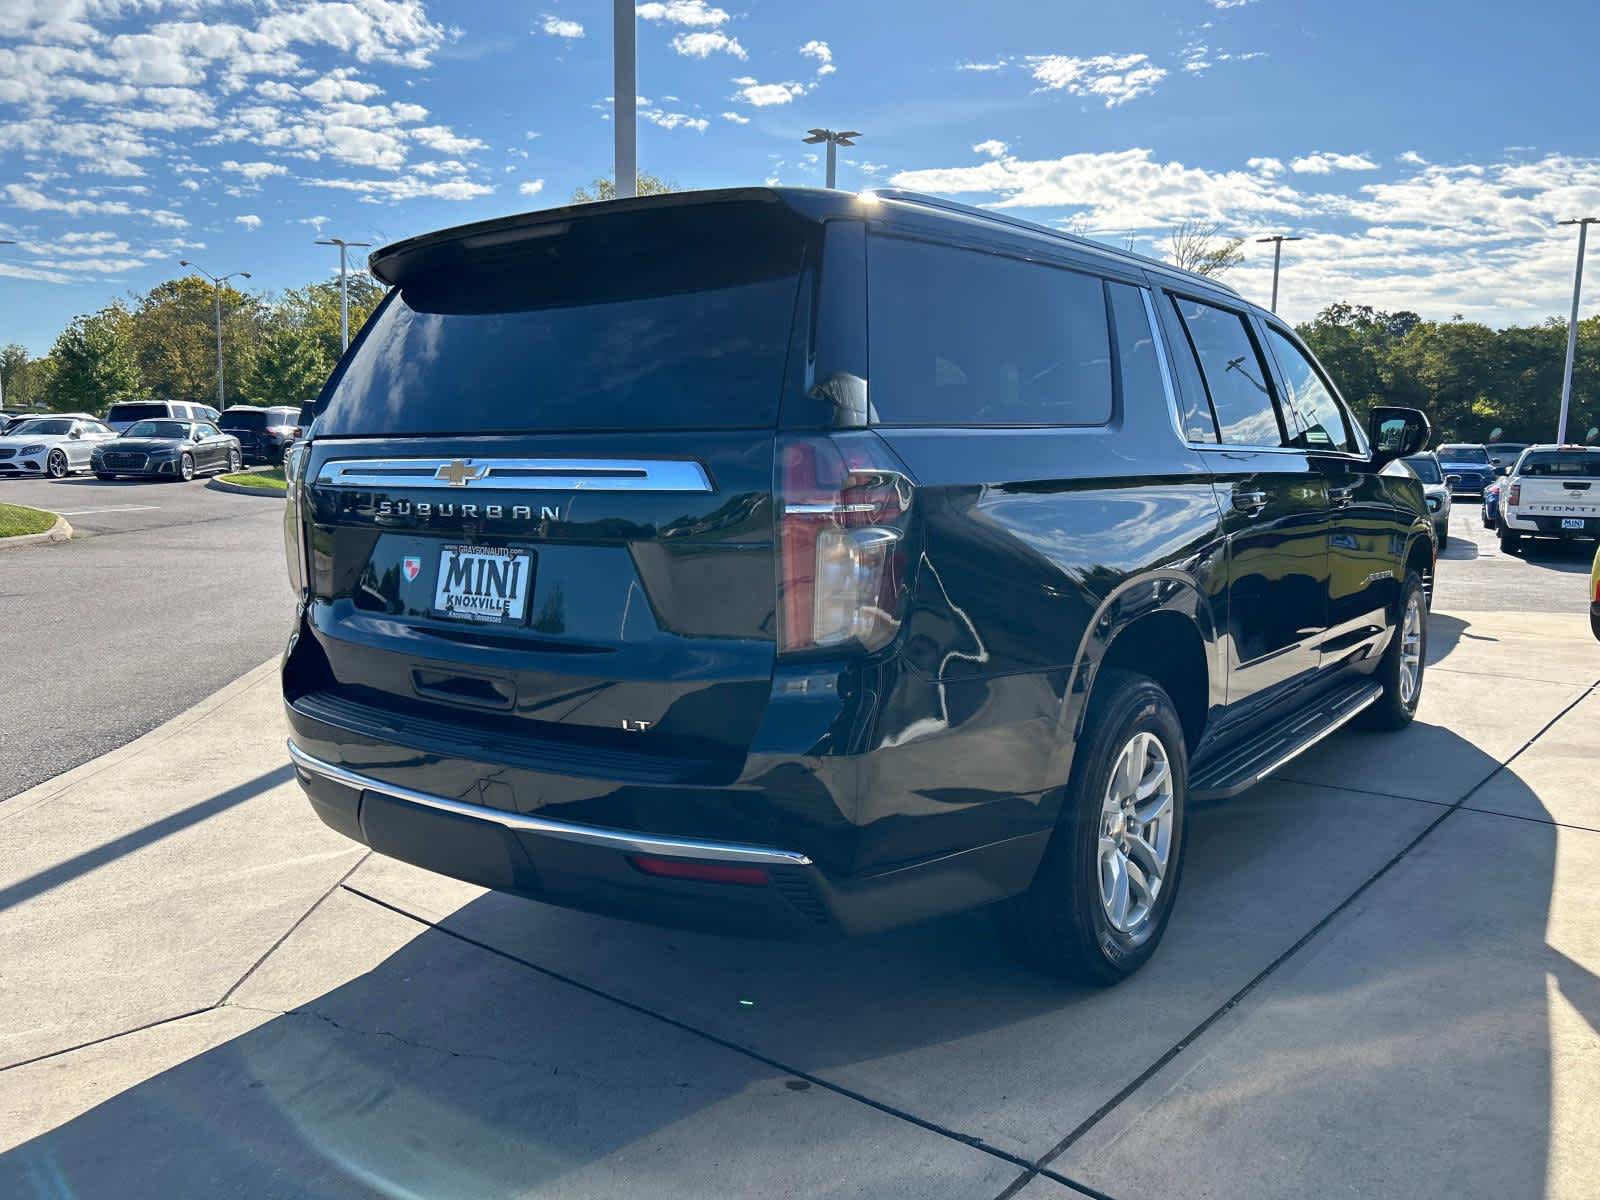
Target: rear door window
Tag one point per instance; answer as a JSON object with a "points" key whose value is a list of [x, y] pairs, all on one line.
{"points": [[1235, 377], [1566, 464], [960, 337], [1316, 419]]}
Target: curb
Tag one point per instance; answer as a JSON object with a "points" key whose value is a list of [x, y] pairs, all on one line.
{"points": [[59, 532], [217, 485]]}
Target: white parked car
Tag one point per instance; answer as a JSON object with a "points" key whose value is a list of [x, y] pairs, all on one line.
{"points": [[55, 445], [1435, 491], [1552, 492]]}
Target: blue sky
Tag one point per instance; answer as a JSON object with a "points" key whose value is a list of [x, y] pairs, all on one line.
{"points": [[1425, 149]]}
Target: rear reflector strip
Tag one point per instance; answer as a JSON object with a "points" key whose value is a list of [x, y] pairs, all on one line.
{"points": [[698, 872]]}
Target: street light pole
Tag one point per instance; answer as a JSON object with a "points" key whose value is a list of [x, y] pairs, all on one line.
{"points": [[834, 141], [216, 295], [625, 96], [4, 242], [1583, 224], [344, 287], [1277, 240]]}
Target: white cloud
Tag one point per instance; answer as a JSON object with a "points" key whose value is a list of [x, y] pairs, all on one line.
{"points": [[439, 137], [249, 220], [994, 148], [703, 44], [1412, 157], [764, 95], [406, 189], [255, 170], [823, 53], [1117, 78], [530, 187], [33, 200], [735, 118], [1267, 166], [1325, 163], [999, 64], [683, 12], [558, 27], [674, 120]]}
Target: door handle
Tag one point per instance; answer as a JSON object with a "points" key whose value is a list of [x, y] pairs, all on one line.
{"points": [[1249, 502], [1341, 497]]}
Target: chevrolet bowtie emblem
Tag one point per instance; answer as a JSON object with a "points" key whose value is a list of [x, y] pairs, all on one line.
{"points": [[460, 473]]}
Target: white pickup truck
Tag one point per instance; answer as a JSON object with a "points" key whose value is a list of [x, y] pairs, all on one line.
{"points": [[1552, 491]]}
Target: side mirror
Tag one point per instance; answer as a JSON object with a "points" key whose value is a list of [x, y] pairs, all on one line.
{"points": [[76, 434], [1451, 481], [1502, 471], [1396, 433]]}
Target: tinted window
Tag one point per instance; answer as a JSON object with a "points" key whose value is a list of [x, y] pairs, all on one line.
{"points": [[1136, 348], [246, 418], [1235, 378], [1315, 419], [1425, 469], [209, 431], [156, 429], [673, 317], [1574, 464], [1455, 452], [137, 412], [964, 338]]}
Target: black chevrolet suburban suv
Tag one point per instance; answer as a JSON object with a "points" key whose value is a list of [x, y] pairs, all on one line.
{"points": [[801, 563]]}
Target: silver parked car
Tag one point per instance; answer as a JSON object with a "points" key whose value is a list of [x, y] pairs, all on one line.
{"points": [[55, 445], [1436, 487]]}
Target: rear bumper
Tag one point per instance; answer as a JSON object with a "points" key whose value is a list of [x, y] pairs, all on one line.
{"points": [[597, 870], [1542, 526]]}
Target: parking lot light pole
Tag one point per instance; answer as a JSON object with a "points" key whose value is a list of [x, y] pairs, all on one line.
{"points": [[216, 295], [344, 287], [625, 98], [1277, 240], [4, 242], [1583, 224], [834, 141]]}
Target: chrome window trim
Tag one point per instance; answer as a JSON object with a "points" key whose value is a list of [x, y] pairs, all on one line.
{"points": [[525, 474], [1166, 368], [589, 835]]}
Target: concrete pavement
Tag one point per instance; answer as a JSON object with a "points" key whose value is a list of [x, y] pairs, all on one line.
{"points": [[1381, 980], [165, 593]]}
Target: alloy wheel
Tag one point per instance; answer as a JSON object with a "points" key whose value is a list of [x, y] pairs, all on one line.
{"points": [[1411, 650], [1135, 833], [56, 465]]}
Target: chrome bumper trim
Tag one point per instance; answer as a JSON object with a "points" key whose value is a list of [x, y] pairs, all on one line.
{"points": [[518, 474], [590, 835]]}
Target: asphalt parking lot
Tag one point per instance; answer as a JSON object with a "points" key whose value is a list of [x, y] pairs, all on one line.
{"points": [[166, 592], [1381, 980]]}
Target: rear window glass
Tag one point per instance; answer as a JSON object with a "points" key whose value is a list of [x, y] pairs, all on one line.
{"points": [[245, 419], [959, 337], [1464, 454], [137, 412], [669, 318], [1574, 464]]}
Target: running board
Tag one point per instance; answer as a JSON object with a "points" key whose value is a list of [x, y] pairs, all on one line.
{"points": [[1243, 766]]}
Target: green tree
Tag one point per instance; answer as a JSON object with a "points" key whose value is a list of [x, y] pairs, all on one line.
{"points": [[290, 365], [605, 189], [175, 337], [14, 361], [94, 363]]}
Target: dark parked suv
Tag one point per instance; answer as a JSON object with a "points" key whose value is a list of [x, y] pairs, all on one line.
{"points": [[793, 562]]}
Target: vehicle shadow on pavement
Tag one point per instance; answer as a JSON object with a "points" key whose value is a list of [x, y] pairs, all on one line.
{"points": [[522, 1050]]}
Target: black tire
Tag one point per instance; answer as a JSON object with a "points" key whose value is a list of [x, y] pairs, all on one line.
{"points": [[56, 465], [1395, 709], [1510, 540], [1444, 537], [235, 462], [103, 475], [1060, 925], [186, 467]]}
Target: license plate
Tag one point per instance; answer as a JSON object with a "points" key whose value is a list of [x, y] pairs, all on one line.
{"points": [[480, 583], [1572, 522]]}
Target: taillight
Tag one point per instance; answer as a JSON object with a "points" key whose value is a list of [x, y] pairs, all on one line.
{"points": [[294, 534], [1515, 496], [844, 505]]}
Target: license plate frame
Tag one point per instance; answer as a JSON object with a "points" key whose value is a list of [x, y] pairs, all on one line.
{"points": [[1577, 523], [493, 588]]}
